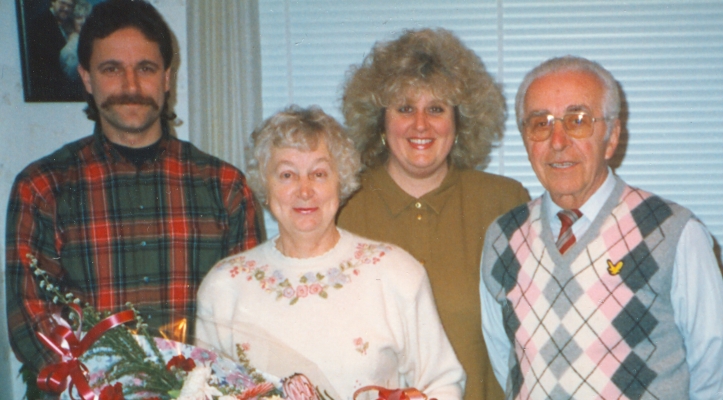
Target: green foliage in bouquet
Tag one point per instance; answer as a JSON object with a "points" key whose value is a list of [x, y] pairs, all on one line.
{"points": [[178, 378], [30, 377], [132, 358]]}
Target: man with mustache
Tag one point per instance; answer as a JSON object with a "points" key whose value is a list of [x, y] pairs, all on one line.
{"points": [[596, 289], [130, 213]]}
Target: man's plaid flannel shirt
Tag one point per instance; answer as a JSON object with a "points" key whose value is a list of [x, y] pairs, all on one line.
{"points": [[112, 233]]}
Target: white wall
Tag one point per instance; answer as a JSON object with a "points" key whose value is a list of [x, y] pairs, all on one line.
{"points": [[29, 131]]}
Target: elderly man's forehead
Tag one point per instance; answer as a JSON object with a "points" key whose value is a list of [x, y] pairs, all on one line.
{"points": [[572, 108], [584, 89]]}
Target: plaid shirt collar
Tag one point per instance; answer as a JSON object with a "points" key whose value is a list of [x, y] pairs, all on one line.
{"points": [[103, 147]]}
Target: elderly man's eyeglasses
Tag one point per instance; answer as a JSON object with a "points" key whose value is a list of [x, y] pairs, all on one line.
{"points": [[578, 124]]}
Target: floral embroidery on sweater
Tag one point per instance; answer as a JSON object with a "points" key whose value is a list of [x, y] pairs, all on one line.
{"points": [[361, 346], [310, 283]]}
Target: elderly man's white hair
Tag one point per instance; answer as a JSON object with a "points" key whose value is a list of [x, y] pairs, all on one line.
{"points": [[611, 99]]}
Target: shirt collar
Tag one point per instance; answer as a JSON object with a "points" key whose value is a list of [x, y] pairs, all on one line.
{"points": [[398, 200], [592, 206], [104, 146]]}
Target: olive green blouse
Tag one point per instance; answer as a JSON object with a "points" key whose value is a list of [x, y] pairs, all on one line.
{"points": [[444, 230]]}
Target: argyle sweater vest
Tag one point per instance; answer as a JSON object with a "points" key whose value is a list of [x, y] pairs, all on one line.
{"points": [[596, 322]]}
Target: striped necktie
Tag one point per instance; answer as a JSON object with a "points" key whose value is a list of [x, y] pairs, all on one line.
{"points": [[567, 238]]}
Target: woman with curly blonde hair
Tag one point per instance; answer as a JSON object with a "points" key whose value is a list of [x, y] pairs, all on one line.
{"points": [[424, 113]]}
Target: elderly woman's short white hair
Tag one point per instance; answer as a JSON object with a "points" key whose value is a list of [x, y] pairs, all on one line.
{"points": [[303, 129]]}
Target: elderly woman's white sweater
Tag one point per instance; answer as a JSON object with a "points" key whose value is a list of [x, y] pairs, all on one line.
{"points": [[360, 314]]}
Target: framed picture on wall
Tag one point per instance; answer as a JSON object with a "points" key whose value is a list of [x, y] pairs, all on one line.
{"points": [[48, 32]]}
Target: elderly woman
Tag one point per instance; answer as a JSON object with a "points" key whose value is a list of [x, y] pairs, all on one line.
{"points": [[360, 310], [424, 113]]}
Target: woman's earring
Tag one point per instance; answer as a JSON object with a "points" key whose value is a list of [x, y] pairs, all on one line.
{"points": [[456, 139], [384, 140]]}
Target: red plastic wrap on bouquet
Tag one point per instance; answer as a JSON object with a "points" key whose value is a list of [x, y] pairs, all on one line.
{"points": [[55, 378], [393, 394]]}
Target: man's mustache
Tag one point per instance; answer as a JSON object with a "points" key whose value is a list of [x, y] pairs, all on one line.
{"points": [[129, 99]]}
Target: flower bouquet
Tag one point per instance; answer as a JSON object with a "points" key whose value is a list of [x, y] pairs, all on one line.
{"points": [[102, 358]]}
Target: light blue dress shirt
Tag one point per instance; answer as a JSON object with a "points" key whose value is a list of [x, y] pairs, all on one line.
{"points": [[696, 293]]}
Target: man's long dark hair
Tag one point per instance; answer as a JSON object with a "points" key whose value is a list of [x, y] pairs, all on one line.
{"points": [[112, 15]]}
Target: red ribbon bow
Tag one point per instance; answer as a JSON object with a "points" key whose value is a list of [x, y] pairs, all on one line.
{"points": [[393, 394], [55, 378]]}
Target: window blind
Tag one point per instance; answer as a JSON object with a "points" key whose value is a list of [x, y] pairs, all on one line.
{"points": [[666, 55]]}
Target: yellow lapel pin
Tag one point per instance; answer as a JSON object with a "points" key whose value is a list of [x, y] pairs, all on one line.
{"points": [[614, 269]]}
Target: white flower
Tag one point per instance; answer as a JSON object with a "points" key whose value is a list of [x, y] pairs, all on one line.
{"points": [[227, 397], [196, 386]]}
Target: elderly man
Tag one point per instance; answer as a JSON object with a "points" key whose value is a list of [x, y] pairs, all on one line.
{"points": [[130, 213], [596, 289]]}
